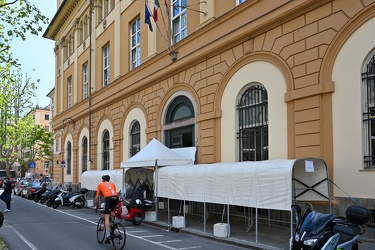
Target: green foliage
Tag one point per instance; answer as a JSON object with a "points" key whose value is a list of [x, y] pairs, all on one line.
{"points": [[20, 139], [17, 19]]}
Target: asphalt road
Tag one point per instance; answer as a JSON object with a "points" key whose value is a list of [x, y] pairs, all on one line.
{"points": [[34, 226]]}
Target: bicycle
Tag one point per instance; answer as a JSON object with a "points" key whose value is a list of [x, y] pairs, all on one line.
{"points": [[118, 234]]}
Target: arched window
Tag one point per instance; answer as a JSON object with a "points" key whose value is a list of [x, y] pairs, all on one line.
{"points": [[135, 138], [252, 111], [69, 158], [84, 154], [368, 79], [106, 150], [180, 122]]}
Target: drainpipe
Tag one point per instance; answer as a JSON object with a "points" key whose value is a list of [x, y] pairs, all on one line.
{"points": [[90, 80]]}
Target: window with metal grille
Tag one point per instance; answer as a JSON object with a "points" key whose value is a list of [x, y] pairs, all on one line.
{"points": [[252, 111], [69, 158], [84, 154], [135, 138], [180, 123], [106, 151], [369, 113]]}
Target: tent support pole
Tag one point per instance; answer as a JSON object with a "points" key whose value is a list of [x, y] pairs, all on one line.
{"points": [[123, 183], [156, 198], [228, 218], [204, 216], [256, 225], [169, 221], [291, 227]]}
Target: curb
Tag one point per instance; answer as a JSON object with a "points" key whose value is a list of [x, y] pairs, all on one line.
{"points": [[232, 241]]}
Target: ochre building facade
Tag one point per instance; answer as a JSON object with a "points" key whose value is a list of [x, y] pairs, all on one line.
{"points": [[239, 80]]}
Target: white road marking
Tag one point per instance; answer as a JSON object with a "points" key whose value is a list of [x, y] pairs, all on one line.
{"points": [[25, 240], [127, 232]]}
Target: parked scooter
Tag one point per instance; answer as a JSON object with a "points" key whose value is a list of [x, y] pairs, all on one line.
{"points": [[66, 198], [326, 232], [134, 211], [49, 196], [42, 188]]}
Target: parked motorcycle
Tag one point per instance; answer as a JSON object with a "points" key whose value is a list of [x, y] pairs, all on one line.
{"points": [[42, 188], [66, 198], [50, 196], [134, 211], [326, 232]]}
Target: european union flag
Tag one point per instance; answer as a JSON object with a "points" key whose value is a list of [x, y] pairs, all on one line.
{"points": [[147, 18]]}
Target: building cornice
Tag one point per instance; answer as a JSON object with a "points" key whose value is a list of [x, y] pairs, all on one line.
{"points": [[61, 16]]}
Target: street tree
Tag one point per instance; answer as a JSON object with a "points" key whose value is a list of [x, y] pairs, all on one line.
{"points": [[17, 19], [21, 140]]}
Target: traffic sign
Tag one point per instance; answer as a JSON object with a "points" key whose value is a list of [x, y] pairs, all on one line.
{"points": [[32, 165], [62, 164]]}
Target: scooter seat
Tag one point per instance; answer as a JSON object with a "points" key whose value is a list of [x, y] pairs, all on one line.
{"points": [[347, 232]]}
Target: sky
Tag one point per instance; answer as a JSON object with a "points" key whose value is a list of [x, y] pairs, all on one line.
{"points": [[36, 55]]}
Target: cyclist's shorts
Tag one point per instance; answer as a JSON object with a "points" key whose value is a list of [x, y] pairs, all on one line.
{"points": [[110, 203]]}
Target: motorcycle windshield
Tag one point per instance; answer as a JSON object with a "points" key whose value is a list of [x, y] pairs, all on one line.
{"points": [[315, 222]]}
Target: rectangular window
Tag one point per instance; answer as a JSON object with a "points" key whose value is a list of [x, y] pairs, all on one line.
{"points": [[85, 80], [69, 92], [135, 48], [106, 68], [46, 117], [179, 20]]}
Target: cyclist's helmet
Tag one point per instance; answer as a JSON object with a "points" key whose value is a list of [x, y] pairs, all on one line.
{"points": [[106, 177]]}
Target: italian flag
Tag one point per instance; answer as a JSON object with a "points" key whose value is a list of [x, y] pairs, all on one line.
{"points": [[156, 7]]}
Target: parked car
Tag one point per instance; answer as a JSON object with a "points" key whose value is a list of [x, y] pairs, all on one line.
{"points": [[30, 189], [18, 188], [13, 181]]}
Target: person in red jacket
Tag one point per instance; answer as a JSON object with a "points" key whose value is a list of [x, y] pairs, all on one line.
{"points": [[108, 190]]}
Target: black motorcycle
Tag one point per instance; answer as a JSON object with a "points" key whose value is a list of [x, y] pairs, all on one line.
{"points": [[51, 195], [41, 190], [326, 231]]}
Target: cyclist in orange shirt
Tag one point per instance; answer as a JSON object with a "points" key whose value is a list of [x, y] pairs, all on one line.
{"points": [[108, 190]]}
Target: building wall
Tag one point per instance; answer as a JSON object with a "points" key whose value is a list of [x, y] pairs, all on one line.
{"points": [[42, 117], [308, 55]]}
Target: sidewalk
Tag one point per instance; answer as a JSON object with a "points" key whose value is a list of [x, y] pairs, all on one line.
{"points": [[269, 237]]}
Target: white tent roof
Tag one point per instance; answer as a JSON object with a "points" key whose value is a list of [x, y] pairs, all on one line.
{"points": [[264, 184], [155, 153], [91, 179]]}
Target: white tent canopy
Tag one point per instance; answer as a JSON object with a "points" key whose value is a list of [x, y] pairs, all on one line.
{"points": [[91, 179], [271, 184], [155, 154]]}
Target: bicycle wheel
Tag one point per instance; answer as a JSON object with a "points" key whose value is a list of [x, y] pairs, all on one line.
{"points": [[118, 236], [100, 230]]}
